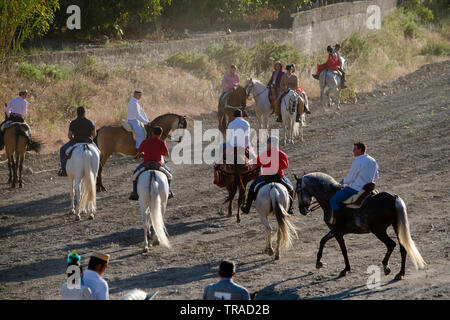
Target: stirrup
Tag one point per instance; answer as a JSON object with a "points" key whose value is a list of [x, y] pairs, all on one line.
{"points": [[134, 196]]}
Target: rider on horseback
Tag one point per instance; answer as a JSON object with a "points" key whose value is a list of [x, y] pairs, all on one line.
{"points": [[238, 133], [137, 115], [333, 63], [336, 53], [289, 81], [274, 83], [271, 172], [154, 149], [15, 111], [230, 82], [81, 129], [364, 170]]}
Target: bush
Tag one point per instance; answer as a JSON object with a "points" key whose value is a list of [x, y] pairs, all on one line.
{"points": [[356, 46], [30, 71], [89, 67], [191, 61], [437, 49], [266, 53], [55, 72], [229, 52]]}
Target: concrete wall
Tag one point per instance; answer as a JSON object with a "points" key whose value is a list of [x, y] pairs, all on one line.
{"points": [[314, 29], [311, 31]]}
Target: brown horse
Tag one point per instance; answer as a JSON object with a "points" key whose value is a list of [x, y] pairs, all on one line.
{"points": [[16, 142], [236, 100], [236, 176], [115, 138]]}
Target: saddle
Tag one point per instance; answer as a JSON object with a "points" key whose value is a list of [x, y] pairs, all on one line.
{"points": [[220, 170], [87, 143], [22, 125], [275, 178], [152, 165], [357, 200], [128, 128]]}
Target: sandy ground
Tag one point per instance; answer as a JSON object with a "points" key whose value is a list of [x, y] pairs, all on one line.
{"points": [[406, 126]]}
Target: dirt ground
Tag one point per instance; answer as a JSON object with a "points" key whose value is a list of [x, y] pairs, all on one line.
{"points": [[406, 125]]}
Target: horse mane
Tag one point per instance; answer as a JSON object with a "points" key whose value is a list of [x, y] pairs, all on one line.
{"points": [[165, 115], [325, 181]]}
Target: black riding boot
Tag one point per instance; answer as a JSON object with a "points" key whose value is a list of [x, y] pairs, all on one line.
{"points": [[250, 197], [1, 140], [291, 201]]}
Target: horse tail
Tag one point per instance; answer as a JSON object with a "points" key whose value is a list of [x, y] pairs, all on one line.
{"points": [[155, 212], [404, 235], [33, 145], [286, 228], [88, 196]]}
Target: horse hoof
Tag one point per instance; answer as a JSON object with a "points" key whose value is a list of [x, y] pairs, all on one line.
{"points": [[398, 277], [387, 270], [155, 242], [277, 257], [269, 251], [72, 211], [343, 273], [91, 217], [319, 265], [77, 218], [145, 249]]}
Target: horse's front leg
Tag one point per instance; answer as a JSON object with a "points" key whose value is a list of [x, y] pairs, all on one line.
{"points": [[324, 240], [339, 98], [10, 170], [340, 240]]}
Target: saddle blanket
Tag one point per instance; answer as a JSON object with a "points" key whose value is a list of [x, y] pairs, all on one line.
{"points": [[8, 124], [128, 128], [89, 145]]}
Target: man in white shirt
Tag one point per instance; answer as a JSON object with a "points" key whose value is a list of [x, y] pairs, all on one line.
{"points": [[92, 276], [364, 170], [136, 115], [15, 111], [238, 135]]}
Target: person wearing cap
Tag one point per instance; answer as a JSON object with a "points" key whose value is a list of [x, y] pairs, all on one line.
{"points": [[272, 162], [332, 63], [274, 83], [289, 81], [230, 82], [15, 111], [82, 130], [338, 58], [226, 288], [137, 116], [72, 292], [92, 277]]}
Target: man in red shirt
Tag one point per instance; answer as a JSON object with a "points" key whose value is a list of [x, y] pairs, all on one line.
{"points": [[272, 163], [332, 63], [154, 149]]}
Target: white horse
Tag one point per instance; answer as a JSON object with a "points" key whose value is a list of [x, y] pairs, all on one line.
{"points": [[288, 110], [332, 80], [82, 168], [261, 95], [153, 190], [273, 199]]}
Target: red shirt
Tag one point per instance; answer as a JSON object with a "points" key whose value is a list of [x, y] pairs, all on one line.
{"points": [[280, 162], [153, 149], [331, 63]]}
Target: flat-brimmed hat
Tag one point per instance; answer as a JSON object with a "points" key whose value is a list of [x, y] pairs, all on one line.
{"points": [[278, 62], [101, 256], [337, 45], [137, 90]]}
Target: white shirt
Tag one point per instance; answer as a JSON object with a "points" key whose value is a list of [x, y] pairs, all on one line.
{"points": [[17, 105], [364, 169], [135, 111], [84, 293], [98, 285], [238, 133]]}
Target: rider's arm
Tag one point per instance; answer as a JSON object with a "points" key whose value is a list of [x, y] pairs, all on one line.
{"points": [[352, 174], [70, 135]]}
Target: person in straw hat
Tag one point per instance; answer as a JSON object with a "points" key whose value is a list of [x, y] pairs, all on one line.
{"points": [[92, 277], [275, 82]]}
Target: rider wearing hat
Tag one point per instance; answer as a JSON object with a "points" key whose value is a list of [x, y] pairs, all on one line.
{"points": [[289, 81], [271, 171], [15, 111], [92, 277]]}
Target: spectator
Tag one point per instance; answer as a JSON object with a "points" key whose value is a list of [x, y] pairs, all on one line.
{"points": [[92, 277], [226, 289]]}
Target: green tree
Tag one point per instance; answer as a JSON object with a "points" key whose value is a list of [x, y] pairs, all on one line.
{"points": [[21, 20]]}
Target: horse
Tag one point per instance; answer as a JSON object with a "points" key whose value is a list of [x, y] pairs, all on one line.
{"points": [[261, 96], [153, 190], [82, 168], [236, 176], [376, 215], [273, 199], [288, 110], [16, 143], [115, 138], [236, 100], [332, 80]]}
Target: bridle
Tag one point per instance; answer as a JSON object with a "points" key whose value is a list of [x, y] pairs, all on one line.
{"points": [[316, 204], [251, 87]]}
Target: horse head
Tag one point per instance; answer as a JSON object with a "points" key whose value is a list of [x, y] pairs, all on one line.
{"points": [[182, 124], [249, 87], [304, 197]]}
